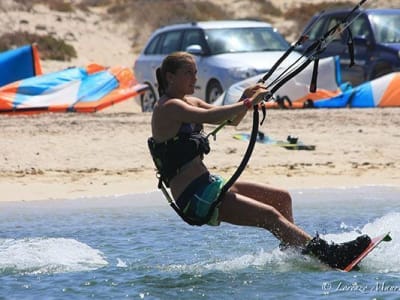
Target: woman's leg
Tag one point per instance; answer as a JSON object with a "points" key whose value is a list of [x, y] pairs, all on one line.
{"points": [[277, 198], [241, 210]]}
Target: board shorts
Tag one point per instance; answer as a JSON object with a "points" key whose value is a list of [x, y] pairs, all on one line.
{"points": [[198, 197]]}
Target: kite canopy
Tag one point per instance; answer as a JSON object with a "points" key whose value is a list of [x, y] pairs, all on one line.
{"points": [[380, 92], [88, 89], [19, 63]]}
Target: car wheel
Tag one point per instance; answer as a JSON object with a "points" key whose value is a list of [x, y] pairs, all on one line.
{"points": [[147, 100], [214, 90]]}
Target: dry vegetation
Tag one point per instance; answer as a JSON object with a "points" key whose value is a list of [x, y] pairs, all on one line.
{"points": [[303, 13], [49, 46]]}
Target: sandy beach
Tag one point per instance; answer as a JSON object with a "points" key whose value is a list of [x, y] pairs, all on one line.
{"points": [[58, 156]]}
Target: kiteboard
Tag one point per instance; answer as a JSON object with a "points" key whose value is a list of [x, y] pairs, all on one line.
{"points": [[291, 143], [373, 244]]}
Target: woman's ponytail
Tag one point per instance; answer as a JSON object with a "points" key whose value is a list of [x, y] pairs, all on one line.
{"points": [[160, 81]]}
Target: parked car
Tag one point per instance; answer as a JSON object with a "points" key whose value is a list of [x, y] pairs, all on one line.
{"points": [[226, 52], [376, 36]]}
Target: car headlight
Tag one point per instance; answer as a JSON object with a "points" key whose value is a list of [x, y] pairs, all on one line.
{"points": [[242, 73]]}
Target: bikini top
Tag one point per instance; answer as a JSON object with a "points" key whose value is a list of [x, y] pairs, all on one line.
{"points": [[170, 156]]}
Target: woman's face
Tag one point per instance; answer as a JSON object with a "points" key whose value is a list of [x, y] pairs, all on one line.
{"points": [[184, 79]]}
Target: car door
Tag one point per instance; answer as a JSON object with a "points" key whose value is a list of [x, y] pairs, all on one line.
{"points": [[338, 45], [363, 51], [361, 34], [316, 29], [143, 69], [196, 37], [162, 45]]}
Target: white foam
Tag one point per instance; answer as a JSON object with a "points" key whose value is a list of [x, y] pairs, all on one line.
{"points": [[48, 255], [275, 260], [121, 263], [385, 258]]}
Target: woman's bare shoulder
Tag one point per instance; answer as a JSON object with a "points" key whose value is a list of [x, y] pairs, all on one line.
{"points": [[195, 101]]}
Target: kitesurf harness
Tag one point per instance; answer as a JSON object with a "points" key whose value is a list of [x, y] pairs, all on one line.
{"points": [[170, 156], [310, 54]]}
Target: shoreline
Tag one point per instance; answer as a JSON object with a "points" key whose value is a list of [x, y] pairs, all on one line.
{"points": [[41, 191]]}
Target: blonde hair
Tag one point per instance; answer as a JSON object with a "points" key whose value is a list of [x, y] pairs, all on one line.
{"points": [[171, 64]]}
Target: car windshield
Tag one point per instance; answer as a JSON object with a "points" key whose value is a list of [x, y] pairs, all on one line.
{"points": [[386, 27], [233, 40]]}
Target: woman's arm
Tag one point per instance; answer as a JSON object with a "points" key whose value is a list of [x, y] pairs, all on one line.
{"points": [[181, 111], [197, 111], [248, 93]]}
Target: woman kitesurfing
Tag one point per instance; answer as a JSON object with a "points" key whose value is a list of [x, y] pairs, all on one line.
{"points": [[178, 145]]}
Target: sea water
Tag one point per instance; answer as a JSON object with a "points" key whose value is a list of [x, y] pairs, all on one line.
{"points": [[136, 247]]}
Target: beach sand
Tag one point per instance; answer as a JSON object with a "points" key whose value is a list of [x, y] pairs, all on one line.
{"points": [[58, 156]]}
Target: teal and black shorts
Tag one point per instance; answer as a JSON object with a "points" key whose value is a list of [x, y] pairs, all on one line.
{"points": [[197, 199]]}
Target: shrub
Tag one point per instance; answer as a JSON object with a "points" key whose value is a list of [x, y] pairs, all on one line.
{"points": [[49, 47], [58, 5], [268, 8]]}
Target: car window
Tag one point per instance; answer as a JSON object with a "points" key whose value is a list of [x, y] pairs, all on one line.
{"points": [[316, 29], [359, 28], [386, 27], [335, 20], [192, 37], [152, 47], [230, 40], [170, 42], [323, 25]]}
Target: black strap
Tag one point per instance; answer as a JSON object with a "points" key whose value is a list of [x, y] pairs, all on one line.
{"points": [[313, 84], [350, 45], [281, 101], [172, 203], [243, 163]]}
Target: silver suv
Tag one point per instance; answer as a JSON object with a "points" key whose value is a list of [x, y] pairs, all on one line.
{"points": [[226, 52]]}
